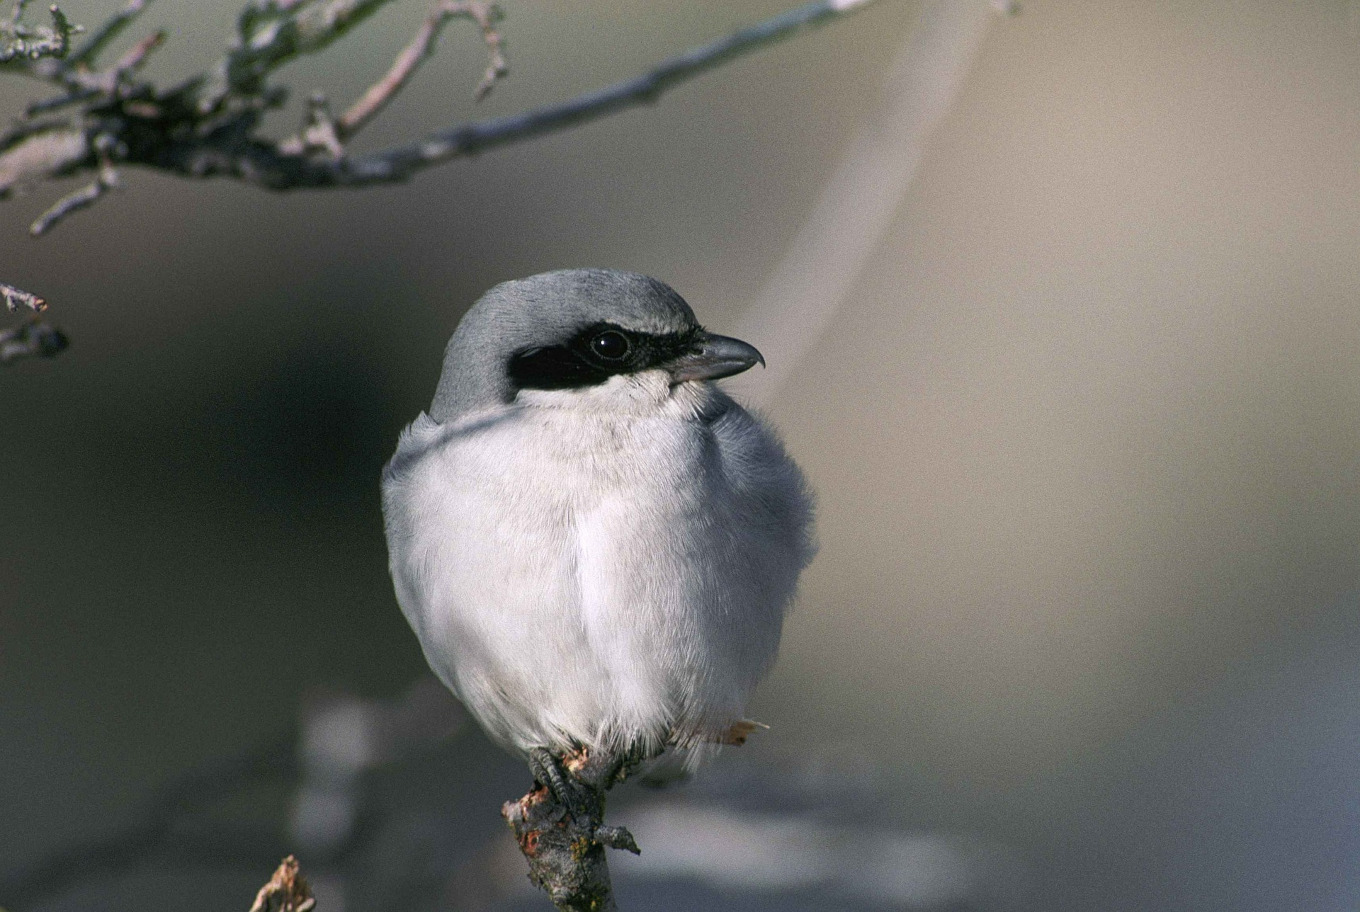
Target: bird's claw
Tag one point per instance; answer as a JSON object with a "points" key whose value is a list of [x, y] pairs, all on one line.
{"points": [[626, 761], [571, 794], [577, 798]]}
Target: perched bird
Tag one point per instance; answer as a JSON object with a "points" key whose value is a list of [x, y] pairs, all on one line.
{"points": [[594, 544]]}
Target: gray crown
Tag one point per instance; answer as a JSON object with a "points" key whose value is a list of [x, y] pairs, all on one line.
{"points": [[545, 309]]}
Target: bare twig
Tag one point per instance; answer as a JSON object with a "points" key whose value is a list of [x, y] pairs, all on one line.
{"points": [[417, 52], [33, 337], [89, 50], [401, 163], [486, 16], [269, 34], [321, 131], [23, 129], [17, 297], [287, 891], [86, 196], [134, 58], [324, 132], [208, 126]]}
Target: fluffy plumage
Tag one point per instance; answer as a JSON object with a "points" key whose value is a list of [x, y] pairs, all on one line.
{"points": [[603, 563]]}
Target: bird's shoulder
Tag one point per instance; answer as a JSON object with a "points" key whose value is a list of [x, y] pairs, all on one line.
{"points": [[425, 436]]}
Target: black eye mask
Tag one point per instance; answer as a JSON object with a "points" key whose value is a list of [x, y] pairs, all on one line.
{"points": [[595, 354]]}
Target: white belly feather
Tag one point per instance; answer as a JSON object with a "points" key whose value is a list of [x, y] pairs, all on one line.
{"points": [[598, 576]]}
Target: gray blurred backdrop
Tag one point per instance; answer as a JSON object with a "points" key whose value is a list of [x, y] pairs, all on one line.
{"points": [[1084, 434]]}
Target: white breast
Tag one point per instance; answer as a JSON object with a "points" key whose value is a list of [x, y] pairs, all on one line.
{"points": [[582, 572]]}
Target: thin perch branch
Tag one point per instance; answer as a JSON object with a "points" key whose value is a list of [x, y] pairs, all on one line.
{"points": [[565, 841]]}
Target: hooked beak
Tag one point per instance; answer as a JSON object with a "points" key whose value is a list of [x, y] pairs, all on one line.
{"points": [[715, 357]]}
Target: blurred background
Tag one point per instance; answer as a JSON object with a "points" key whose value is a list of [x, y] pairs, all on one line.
{"points": [[1084, 428]]}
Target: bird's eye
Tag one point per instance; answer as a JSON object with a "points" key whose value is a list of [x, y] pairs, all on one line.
{"points": [[610, 345]]}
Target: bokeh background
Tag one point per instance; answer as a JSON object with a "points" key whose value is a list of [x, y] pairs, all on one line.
{"points": [[1084, 434]]}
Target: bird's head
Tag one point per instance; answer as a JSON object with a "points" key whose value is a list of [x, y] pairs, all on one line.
{"points": [[584, 331]]}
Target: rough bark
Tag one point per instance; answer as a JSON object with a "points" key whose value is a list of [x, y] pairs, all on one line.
{"points": [[564, 837]]}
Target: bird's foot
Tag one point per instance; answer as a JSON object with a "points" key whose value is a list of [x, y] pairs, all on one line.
{"points": [[622, 764], [570, 792], [577, 782]]}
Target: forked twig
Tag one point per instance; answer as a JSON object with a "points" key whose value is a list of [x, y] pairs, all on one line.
{"points": [[420, 49]]}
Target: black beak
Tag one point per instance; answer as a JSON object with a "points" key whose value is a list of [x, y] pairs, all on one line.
{"points": [[714, 357]]}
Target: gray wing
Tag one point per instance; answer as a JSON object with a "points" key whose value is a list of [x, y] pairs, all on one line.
{"points": [[761, 472]]}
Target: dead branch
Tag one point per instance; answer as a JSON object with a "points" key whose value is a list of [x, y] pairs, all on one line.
{"points": [[209, 125], [102, 119]]}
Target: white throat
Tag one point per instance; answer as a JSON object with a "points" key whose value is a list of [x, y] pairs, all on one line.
{"points": [[645, 394]]}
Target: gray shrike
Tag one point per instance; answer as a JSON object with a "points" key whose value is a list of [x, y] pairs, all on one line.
{"points": [[595, 545]]}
